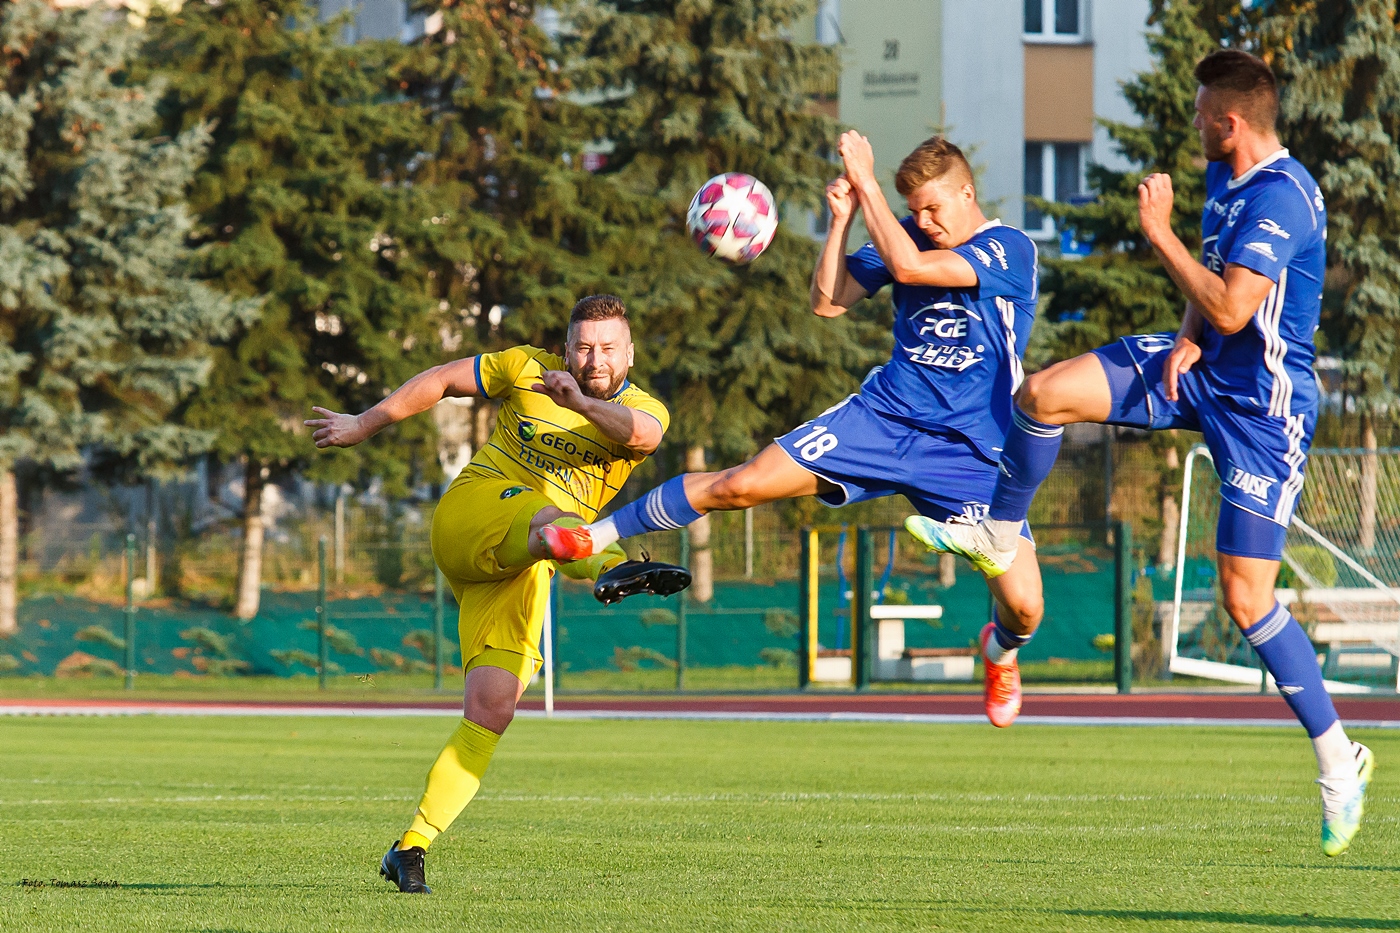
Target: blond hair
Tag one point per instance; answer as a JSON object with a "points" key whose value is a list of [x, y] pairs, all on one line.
{"points": [[932, 159]]}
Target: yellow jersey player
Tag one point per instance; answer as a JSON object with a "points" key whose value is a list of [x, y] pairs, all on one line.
{"points": [[568, 434]]}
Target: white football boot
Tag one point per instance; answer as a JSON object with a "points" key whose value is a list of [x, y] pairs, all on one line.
{"points": [[965, 538], [1344, 801]]}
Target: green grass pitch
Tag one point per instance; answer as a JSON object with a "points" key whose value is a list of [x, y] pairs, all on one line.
{"points": [[278, 824]]}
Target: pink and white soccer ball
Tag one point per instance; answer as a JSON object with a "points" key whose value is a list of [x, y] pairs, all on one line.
{"points": [[733, 217]]}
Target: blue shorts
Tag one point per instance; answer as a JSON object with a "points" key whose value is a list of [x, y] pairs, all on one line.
{"points": [[866, 454], [1260, 458]]}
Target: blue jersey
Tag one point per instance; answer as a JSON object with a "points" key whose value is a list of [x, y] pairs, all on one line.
{"points": [[1270, 220], [957, 351]]}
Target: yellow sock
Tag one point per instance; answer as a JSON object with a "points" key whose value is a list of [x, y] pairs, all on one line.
{"points": [[591, 568], [452, 783]]}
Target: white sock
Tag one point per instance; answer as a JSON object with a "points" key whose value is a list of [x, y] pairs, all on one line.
{"points": [[1004, 534], [996, 654], [1335, 756], [604, 532]]}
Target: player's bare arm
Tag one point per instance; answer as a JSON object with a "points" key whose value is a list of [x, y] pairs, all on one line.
{"points": [[636, 430], [1227, 302], [944, 209], [834, 289], [450, 380], [1186, 352]]}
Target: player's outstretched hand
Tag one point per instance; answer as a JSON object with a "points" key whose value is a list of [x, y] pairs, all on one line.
{"points": [[1155, 206], [1183, 356], [562, 389], [858, 156], [841, 199], [336, 430]]}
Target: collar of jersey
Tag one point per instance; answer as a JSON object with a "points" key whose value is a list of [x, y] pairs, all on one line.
{"points": [[987, 226], [625, 384], [1234, 183]]}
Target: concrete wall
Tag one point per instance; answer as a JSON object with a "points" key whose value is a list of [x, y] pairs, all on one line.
{"points": [[1118, 29], [983, 91], [891, 82]]}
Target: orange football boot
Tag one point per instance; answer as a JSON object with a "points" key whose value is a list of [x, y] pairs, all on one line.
{"points": [[562, 543], [1001, 685]]}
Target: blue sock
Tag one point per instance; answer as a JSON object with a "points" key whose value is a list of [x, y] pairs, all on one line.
{"points": [[663, 509], [1003, 640], [1290, 657], [1026, 459]]}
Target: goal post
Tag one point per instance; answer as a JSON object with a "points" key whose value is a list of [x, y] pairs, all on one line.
{"points": [[1340, 577]]}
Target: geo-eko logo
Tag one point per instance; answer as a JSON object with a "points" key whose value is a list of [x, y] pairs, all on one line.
{"points": [[526, 430]]}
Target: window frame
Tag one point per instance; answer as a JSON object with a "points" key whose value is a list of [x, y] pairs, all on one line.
{"points": [[1048, 164], [1047, 19]]}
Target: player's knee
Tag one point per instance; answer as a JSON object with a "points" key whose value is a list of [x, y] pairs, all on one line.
{"points": [[1036, 395], [733, 489], [1025, 615], [1243, 604]]}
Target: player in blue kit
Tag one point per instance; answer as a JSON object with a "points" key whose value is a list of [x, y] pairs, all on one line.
{"points": [[1239, 371], [930, 423]]}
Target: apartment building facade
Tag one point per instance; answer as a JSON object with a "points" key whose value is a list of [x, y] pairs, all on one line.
{"points": [[1019, 84]]}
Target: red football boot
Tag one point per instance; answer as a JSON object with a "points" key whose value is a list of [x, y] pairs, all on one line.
{"points": [[561, 543], [1001, 685]]}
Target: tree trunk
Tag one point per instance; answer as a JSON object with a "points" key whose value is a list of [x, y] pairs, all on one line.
{"points": [[250, 566], [1171, 517], [9, 552], [702, 567], [1369, 481]]}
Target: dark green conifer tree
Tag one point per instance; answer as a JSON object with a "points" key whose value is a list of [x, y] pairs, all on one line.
{"points": [[685, 91], [102, 328], [1339, 70], [304, 203], [1121, 288]]}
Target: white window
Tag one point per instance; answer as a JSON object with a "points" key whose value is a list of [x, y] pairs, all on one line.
{"points": [[1054, 21], [1055, 172]]}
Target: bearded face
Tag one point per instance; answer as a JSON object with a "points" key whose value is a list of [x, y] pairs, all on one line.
{"points": [[599, 354]]}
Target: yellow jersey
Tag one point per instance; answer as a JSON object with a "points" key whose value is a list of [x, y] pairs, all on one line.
{"points": [[551, 449]]}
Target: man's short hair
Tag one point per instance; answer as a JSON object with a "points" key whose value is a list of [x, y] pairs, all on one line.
{"points": [[598, 308], [933, 159], [1246, 83]]}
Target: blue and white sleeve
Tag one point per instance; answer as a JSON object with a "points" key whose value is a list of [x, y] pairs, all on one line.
{"points": [[867, 268], [1272, 228]]}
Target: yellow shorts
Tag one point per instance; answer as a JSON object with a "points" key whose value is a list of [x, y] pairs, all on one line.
{"points": [[502, 608]]}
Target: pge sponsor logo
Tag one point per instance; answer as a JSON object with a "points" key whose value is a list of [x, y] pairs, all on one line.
{"points": [[1271, 227], [1256, 487], [568, 448], [999, 252], [956, 358]]}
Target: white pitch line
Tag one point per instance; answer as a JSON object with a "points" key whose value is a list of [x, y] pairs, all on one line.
{"points": [[695, 715]]}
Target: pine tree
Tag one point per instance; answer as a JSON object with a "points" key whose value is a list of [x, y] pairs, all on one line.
{"points": [[521, 222], [1121, 288], [687, 91], [102, 328], [1339, 70], [304, 203]]}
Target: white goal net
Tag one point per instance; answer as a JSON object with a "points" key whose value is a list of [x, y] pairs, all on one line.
{"points": [[1340, 575]]}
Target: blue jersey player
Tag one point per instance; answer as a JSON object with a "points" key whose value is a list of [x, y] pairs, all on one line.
{"points": [[1239, 371], [930, 423]]}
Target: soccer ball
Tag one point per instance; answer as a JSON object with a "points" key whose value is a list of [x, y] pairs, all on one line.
{"points": [[733, 217]]}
